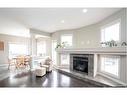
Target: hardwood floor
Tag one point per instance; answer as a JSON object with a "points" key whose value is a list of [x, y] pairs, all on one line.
{"points": [[53, 79]]}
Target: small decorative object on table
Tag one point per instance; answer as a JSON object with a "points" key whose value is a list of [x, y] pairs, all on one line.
{"points": [[124, 44], [111, 43]]}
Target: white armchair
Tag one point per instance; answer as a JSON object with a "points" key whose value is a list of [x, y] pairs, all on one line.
{"points": [[47, 64]]}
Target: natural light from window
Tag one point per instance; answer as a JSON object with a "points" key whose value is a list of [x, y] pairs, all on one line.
{"points": [[110, 65], [111, 32], [64, 59], [54, 53], [41, 48], [67, 39], [17, 49]]}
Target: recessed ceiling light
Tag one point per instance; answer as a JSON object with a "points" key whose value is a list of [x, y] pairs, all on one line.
{"points": [[84, 10], [62, 21]]}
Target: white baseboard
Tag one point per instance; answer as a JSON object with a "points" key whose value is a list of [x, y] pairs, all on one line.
{"points": [[3, 65]]}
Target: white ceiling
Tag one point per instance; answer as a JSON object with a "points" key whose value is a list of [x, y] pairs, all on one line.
{"points": [[49, 19]]}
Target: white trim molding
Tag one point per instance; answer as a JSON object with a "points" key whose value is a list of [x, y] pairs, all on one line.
{"points": [[113, 79]]}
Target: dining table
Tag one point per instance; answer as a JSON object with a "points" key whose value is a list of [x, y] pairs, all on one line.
{"points": [[20, 61]]}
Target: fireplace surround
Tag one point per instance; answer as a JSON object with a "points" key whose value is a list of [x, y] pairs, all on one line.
{"points": [[82, 63]]}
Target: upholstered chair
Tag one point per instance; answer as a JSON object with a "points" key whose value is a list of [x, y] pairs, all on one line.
{"points": [[47, 64]]}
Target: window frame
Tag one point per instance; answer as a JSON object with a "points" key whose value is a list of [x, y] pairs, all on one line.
{"points": [[40, 42], [107, 73], [54, 51], [67, 35], [27, 48], [68, 59], [110, 24]]}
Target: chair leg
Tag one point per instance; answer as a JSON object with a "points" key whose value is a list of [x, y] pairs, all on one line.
{"points": [[16, 66]]}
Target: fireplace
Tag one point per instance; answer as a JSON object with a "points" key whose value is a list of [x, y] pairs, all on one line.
{"points": [[80, 64]]}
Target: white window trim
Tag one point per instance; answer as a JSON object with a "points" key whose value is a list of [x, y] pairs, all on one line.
{"points": [[56, 52], [37, 46], [110, 24], [106, 73], [67, 35], [65, 54], [19, 43]]}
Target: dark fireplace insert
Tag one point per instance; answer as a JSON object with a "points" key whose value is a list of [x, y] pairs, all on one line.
{"points": [[80, 64]]}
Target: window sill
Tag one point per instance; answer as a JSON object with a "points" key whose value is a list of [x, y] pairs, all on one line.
{"points": [[110, 75]]}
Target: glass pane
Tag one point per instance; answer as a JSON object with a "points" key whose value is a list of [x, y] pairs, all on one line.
{"points": [[54, 53], [64, 59], [41, 48], [110, 65], [111, 32], [17, 49], [67, 39]]}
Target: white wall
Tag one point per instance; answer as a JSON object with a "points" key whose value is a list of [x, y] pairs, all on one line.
{"points": [[15, 32], [13, 27], [11, 39], [35, 31], [90, 36]]}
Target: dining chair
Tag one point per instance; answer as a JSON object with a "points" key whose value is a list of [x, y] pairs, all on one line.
{"points": [[19, 62], [27, 60], [11, 62]]}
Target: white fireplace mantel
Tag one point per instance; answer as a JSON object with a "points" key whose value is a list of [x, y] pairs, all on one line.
{"points": [[101, 50], [113, 51]]}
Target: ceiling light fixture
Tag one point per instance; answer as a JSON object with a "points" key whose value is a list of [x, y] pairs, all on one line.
{"points": [[84, 10]]}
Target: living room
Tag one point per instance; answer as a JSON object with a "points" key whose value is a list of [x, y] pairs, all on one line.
{"points": [[94, 36]]}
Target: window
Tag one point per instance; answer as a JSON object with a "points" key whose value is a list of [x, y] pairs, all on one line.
{"points": [[67, 39], [111, 32], [64, 59], [110, 65], [17, 49], [54, 53], [41, 48]]}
